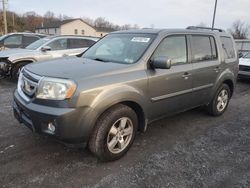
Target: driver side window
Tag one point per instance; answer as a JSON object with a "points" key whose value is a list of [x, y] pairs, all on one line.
{"points": [[60, 44], [173, 48]]}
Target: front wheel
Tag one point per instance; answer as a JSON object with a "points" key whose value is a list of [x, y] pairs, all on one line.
{"points": [[16, 70], [114, 133], [220, 101]]}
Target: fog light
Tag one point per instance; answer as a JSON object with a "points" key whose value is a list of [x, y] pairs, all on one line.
{"points": [[51, 127]]}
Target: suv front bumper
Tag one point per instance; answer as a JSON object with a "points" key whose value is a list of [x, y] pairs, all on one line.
{"points": [[73, 125]]}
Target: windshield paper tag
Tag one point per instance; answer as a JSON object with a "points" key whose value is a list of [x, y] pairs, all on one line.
{"points": [[140, 39]]}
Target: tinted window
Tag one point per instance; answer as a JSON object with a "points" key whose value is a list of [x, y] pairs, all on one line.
{"points": [[227, 45], [13, 40], [174, 48], [60, 44], [80, 43], [29, 39], [204, 48]]}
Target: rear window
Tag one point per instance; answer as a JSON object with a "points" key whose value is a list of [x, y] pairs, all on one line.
{"points": [[228, 48], [204, 48]]}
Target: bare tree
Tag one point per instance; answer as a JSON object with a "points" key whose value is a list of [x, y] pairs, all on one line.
{"points": [[239, 30]]}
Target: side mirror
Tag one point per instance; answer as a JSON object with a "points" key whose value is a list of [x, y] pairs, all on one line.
{"points": [[161, 63], [46, 48]]}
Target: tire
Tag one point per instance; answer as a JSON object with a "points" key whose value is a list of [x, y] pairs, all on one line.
{"points": [[216, 109], [16, 69], [109, 143]]}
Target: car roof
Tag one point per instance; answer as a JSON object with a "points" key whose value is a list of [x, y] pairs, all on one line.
{"points": [[170, 31], [72, 36]]}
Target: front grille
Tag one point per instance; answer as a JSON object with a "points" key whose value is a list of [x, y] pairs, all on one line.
{"points": [[27, 84], [244, 68]]}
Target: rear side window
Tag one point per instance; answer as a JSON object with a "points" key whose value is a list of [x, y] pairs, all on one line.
{"points": [[204, 48], [80, 43], [227, 45]]}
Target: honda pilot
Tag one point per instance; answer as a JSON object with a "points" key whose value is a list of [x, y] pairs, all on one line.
{"points": [[124, 82]]}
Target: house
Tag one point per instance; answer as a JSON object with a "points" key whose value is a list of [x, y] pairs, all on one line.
{"points": [[72, 27]]}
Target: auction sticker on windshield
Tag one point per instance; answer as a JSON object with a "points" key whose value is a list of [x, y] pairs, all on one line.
{"points": [[140, 39]]}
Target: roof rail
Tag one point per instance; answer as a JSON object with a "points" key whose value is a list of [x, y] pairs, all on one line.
{"points": [[208, 28]]}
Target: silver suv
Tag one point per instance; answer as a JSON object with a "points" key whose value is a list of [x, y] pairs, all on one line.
{"points": [[12, 60], [124, 82]]}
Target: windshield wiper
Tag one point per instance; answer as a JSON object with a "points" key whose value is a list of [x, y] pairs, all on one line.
{"points": [[99, 59]]}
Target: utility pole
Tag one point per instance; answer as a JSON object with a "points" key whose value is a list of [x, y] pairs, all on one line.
{"points": [[215, 7], [13, 20], [4, 18]]}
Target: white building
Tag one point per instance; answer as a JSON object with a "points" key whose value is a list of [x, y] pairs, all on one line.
{"points": [[72, 27]]}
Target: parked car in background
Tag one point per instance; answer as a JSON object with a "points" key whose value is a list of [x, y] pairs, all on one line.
{"points": [[18, 40], [12, 60], [125, 81], [243, 46], [244, 63]]}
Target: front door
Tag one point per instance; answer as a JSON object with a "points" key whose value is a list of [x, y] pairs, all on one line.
{"points": [[170, 90]]}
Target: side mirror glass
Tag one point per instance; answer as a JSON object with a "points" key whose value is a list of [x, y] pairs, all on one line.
{"points": [[46, 48], [240, 55], [161, 63]]}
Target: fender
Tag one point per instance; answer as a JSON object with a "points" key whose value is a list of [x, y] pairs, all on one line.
{"points": [[227, 74], [32, 60], [100, 99]]}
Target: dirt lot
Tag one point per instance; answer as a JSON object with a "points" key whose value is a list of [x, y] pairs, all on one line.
{"points": [[187, 150]]}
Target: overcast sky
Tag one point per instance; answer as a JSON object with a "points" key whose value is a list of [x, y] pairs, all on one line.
{"points": [[145, 13]]}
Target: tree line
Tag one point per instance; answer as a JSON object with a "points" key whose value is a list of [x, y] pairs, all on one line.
{"points": [[29, 21]]}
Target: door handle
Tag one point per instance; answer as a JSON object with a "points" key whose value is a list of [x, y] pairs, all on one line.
{"points": [[186, 75]]}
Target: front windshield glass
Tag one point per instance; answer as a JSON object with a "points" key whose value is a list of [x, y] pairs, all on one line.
{"points": [[35, 45], [120, 48]]}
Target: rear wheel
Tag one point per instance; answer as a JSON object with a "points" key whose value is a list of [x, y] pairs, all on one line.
{"points": [[220, 101], [16, 70], [114, 133]]}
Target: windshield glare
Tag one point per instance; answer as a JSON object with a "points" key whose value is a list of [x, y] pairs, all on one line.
{"points": [[120, 48], [35, 45]]}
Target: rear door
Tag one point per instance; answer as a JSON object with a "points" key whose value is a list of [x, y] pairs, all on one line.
{"points": [[206, 67], [170, 90]]}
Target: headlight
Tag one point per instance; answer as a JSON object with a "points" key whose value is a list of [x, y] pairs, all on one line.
{"points": [[55, 89]]}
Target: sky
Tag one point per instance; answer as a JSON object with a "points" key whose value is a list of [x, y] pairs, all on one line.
{"points": [[145, 13]]}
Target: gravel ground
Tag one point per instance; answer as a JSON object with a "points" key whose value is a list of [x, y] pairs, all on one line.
{"points": [[191, 149]]}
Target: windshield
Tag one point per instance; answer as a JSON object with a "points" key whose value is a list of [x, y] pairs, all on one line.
{"points": [[120, 48], [35, 45]]}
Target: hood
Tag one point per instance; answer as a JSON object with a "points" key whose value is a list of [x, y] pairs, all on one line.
{"points": [[14, 52], [244, 61], [75, 68]]}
